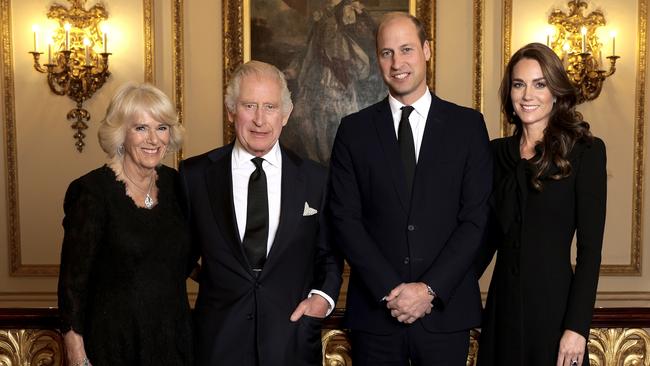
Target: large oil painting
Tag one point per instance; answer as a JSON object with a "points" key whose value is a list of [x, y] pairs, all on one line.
{"points": [[326, 49]]}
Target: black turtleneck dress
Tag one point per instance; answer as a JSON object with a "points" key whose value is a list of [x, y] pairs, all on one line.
{"points": [[535, 294], [123, 271]]}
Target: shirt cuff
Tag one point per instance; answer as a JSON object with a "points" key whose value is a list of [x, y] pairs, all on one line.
{"points": [[326, 297]]}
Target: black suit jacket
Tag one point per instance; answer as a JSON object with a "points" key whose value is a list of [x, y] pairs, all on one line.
{"points": [[433, 237], [235, 312]]}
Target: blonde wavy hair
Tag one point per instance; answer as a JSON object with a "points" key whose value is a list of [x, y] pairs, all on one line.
{"points": [[128, 103]]}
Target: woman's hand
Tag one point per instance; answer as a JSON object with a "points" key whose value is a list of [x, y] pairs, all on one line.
{"points": [[572, 348], [74, 348]]}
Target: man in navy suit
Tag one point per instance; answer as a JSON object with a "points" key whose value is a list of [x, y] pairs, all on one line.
{"points": [[268, 275], [409, 182]]}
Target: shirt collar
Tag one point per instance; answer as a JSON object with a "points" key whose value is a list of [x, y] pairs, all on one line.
{"points": [[240, 156], [421, 105]]}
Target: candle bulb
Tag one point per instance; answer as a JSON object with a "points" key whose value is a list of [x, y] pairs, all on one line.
{"points": [[49, 53], [548, 40], [584, 33], [104, 30], [613, 34], [35, 31], [67, 36]]}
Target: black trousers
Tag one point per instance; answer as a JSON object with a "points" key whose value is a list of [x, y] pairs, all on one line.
{"points": [[411, 346]]}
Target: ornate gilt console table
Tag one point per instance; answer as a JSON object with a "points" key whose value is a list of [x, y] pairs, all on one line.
{"points": [[619, 337]]}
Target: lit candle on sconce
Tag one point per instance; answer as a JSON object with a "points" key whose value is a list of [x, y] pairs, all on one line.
{"points": [[49, 50], [35, 30], [583, 31], [67, 36], [105, 36], [87, 49], [613, 35], [549, 32]]}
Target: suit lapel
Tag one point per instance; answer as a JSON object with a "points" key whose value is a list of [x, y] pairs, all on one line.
{"points": [[219, 182], [386, 131], [292, 204]]}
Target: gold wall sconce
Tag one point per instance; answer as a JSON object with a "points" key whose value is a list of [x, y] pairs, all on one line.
{"points": [[576, 42], [77, 57]]}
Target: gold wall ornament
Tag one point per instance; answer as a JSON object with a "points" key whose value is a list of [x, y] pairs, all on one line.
{"points": [[579, 47], [619, 346], [20, 347], [77, 58], [336, 348]]}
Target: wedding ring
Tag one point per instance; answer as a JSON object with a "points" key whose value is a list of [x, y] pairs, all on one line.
{"points": [[574, 363]]}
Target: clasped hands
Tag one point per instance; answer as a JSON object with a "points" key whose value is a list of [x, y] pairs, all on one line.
{"points": [[409, 302]]}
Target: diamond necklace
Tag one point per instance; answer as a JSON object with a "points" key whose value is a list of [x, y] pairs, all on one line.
{"points": [[148, 201]]}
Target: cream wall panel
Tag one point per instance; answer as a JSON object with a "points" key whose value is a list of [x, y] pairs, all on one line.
{"points": [[203, 77], [46, 157], [454, 51]]}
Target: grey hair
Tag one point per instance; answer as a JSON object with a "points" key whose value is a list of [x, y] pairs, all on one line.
{"points": [[257, 68]]}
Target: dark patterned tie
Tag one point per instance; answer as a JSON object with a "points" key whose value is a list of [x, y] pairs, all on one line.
{"points": [[257, 217], [406, 146]]}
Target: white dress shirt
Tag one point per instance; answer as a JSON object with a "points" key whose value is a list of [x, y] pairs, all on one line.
{"points": [[417, 119], [242, 168]]}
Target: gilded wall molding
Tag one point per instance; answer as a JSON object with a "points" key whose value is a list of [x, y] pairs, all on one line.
{"points": [[634, 267], [336, 348], [178, 60], [618, 346], [147, 7], [16, 267], [20, 347], [505, 46], [477, 90]]}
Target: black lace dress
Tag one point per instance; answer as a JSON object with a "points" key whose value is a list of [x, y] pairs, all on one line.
{"points": [[123, 271]]}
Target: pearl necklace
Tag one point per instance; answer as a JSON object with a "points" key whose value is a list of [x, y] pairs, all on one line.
{"points": [[148, 201]]}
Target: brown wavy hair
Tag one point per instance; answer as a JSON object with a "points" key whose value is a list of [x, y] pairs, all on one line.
{"points": [[565, 126]]}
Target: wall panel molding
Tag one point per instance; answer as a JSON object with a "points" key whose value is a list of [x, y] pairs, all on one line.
{"points": [[16, 267], [633, 268]]}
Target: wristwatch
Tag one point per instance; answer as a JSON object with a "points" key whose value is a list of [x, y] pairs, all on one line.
{"points": [[430, 292]]}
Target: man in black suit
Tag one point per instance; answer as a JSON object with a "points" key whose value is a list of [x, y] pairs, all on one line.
{"points": [[409, 182], [268, 276]]}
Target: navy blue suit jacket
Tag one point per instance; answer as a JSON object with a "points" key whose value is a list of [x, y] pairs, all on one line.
{"points": [[433, 237]]}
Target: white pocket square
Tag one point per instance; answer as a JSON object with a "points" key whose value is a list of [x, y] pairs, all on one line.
{"points": [[308, 211]]}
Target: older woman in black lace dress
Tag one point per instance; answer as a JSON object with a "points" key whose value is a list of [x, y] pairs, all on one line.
{"points": [[122, 294]]}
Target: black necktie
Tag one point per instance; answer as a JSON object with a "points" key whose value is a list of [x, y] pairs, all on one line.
{"points": [[406, 146], [257, 217]]}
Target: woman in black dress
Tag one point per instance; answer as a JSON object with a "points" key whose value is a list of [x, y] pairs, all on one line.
{"points": [[125, 256], [549, 183]]}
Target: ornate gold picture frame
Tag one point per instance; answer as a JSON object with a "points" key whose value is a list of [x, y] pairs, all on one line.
{"points": [[240, 26]]}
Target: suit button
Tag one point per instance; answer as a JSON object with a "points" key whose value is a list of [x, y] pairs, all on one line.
{"points": [[257, 285], [249, 316], [407, 260], [411, 228]]}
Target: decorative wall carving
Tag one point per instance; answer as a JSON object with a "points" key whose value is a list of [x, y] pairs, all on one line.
{"points": [[20, 347], [619, 346], [336, 348]]}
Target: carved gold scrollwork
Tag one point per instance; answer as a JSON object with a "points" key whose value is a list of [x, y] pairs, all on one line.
{"points": [[619, 346], [30, 347], [473, 347], [336, 348]]}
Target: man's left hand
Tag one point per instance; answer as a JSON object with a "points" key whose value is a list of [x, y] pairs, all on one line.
{"points": [[315, 306], [409, 302]]}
